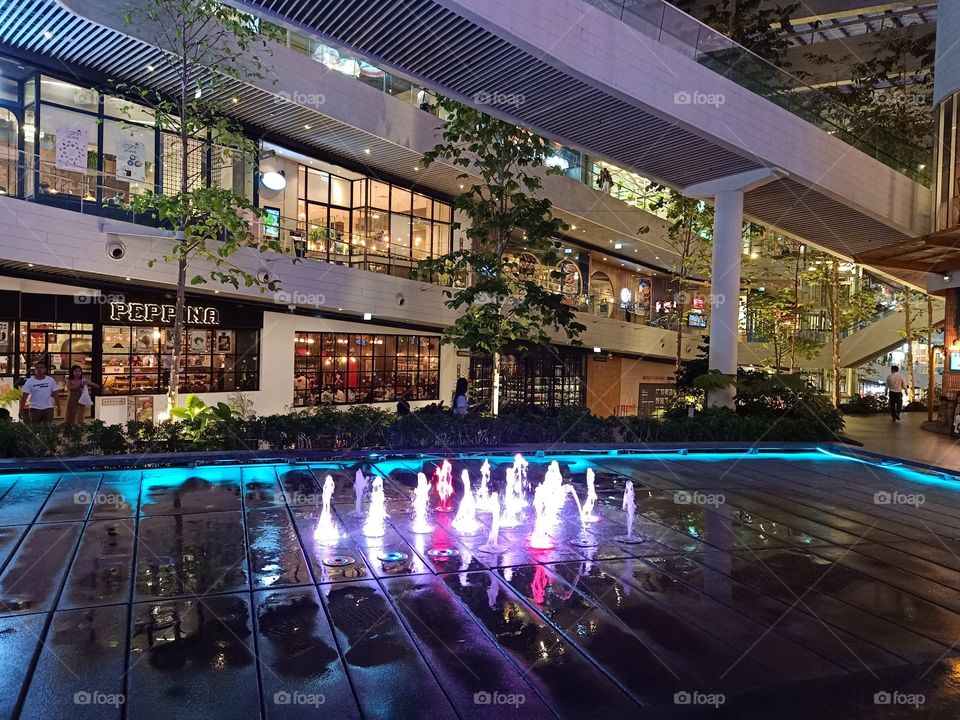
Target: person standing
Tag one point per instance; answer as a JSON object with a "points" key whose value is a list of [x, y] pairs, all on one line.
{"points": [[41, 389], [895, 388], [403, 405], [77, 400], [460, 403]]}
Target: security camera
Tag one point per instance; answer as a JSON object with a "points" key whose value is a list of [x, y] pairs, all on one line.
{"points": [[292, 307], [400, 299], [115, 249], [263, 276]]}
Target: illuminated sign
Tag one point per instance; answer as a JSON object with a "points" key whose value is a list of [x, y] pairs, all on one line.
{"points": [[154, 313]]}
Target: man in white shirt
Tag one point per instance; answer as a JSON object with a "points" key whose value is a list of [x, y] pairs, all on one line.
{"points": [[895, 387], [41, 389]]}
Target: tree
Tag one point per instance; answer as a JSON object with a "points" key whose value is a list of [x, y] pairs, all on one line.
{"points": [[890, 90], [847, 306], [690, 237], [772, 313], [205, 44], [501, 305], [750, 23], [911, 334]]}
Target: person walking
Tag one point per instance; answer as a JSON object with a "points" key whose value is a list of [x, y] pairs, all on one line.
{"points": [[460, 403], [895, 387], [605, 181], [78, 395], [41, 390]]}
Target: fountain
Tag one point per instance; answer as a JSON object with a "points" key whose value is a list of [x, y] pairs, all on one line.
{"points": [[326, 532], [512, 505], [520, 474], [421, 496], [492, 545], [375, 525], [540, 539], [483, 492], [360, 485], [465, 521], [444, 477], [589, 516], [630, 506]]}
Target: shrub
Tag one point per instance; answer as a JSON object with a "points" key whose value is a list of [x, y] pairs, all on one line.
{"points": [[865, 404]]}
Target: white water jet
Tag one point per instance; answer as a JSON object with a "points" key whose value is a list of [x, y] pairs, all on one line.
{"points": [[326, 532], [588, 515], [360, 485], [444, 477], [375, 525], [629, 506], [520, 474], [483, 492], [465, 521], [512, 505], [421, 497], [540, 539], [493, 539]]}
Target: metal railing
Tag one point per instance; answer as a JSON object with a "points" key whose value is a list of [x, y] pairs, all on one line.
{"points": [[668, 25]]}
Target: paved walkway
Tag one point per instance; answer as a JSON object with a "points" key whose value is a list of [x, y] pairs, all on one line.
{"points": [[905, 439]]}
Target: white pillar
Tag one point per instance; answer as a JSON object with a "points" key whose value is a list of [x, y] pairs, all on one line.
{"points": [[725, 289]]}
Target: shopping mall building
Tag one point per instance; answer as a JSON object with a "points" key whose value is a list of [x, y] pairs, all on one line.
{"points": [[340, 133]]}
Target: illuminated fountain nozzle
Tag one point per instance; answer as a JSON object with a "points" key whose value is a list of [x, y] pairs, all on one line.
{"points": [[375, 525], [421, 497], [326, 532]]}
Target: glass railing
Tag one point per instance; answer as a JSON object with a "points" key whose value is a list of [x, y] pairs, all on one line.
{"points": [[684, 34]]}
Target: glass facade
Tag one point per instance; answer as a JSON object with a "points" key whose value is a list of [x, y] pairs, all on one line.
{"points": [[546, 377], [136, 359], [346, 368], [948, 165]]}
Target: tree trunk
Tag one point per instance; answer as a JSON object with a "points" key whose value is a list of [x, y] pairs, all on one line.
{"points": [[835, 328], [180, 311], [681, 307], [908, 332], [495, 390], [795, 335], [930, 359]]}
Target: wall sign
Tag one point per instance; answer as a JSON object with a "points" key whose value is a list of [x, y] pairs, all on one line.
{"points": [[131, 159], [157, 314], [71, 151], [571, 284]]}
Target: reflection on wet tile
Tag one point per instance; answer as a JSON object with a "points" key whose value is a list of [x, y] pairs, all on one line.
{"points": [[80, 670], [463, 657], [9, 537], [101, 570], [71, 499], [19, 638], [193, 658], [551, 661], [389, 676], [176, 491], [261, 489], [301, 670], [31, 580], [118, 495], [22, 502], [194, 554], [275, 555]]}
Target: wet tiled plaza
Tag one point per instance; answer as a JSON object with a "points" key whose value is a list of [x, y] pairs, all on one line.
{"points": [[778, 585]]}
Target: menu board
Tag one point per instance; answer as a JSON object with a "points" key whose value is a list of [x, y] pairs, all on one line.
{"points": [[571, 283]]}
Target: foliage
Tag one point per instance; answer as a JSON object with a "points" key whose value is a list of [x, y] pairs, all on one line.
{"points": [[200, 420], [779, 396], [714, 380], [500, 305], [208, 45], [695, 367], [754, 24], [891, 88], [690, 237]]}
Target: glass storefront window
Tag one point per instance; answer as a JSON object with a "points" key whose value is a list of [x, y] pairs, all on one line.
{"points": [[9, 134], [128, 161], [379, 195], [60, 345], [342, 368], [136, 360], [54, 180]]}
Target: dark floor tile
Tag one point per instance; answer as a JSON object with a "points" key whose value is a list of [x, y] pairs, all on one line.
{"points": [[71, 499], [80, 670], [32, 578], [260, 487], [101, 570], [275, 555], [193, 659], [549, 661], [466, 661], [9, 537], [22, 503], [191, 555], [19, 642], [391, 680], [301, 671], [118, 496]]}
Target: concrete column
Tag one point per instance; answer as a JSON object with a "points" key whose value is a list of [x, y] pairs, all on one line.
{"points": [[725, 289]]}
